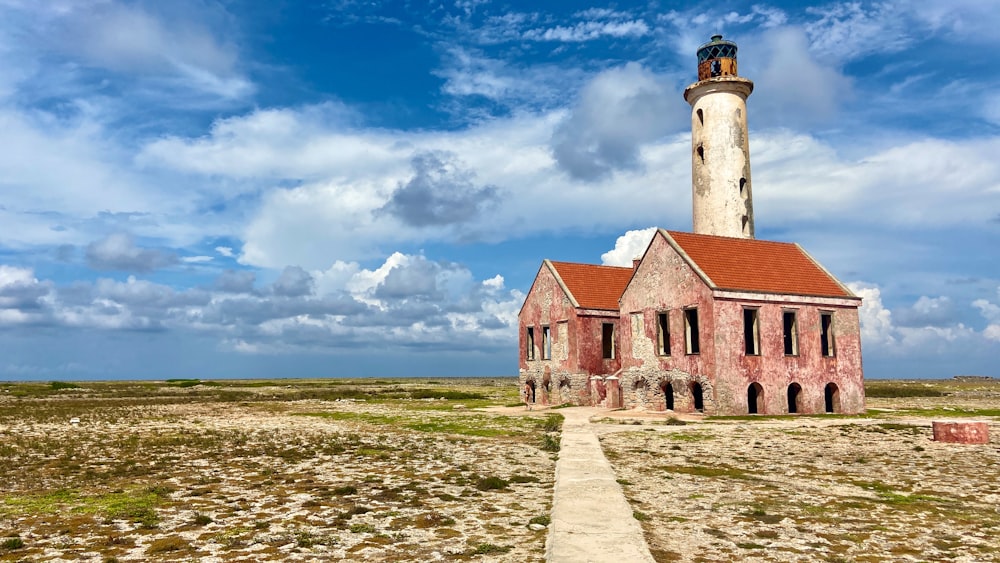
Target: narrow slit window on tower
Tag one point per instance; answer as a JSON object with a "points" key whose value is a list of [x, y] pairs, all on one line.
{"points": [[746, 225], [701, 153], [530, 344], [691, 331], [663, 334], [826, 334], [546, 344], [743, 188], [701, 117], [790, 333], [608, 340], [751, 331]]}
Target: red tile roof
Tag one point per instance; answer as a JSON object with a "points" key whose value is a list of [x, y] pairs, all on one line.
{"points": [[594, 287], [757, 265]]}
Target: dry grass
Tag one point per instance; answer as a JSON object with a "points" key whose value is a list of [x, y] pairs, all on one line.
{"points": [[402, 470], [794, 488]]}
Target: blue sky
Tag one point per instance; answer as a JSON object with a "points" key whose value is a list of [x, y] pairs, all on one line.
{"points": [[347, 188]]}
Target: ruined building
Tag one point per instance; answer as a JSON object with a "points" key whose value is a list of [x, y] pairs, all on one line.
{"points": [[713, 321]]}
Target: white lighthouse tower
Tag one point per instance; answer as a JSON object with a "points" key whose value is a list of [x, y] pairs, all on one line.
{"points": [[720, 159]]}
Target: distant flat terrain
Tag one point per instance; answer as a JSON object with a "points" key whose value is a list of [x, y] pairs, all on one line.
{"points": [[454, 469], [302, 470]]}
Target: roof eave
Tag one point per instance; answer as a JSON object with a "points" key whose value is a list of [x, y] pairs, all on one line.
{"points": [[846, 289]]}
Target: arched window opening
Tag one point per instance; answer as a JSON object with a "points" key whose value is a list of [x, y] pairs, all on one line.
{"points": [[743, 188], [701, 117], [698, 396], [746, 225], [564, 383], [755, 398], [668, 396], [794, 398], [701, 153], [831, 396]]}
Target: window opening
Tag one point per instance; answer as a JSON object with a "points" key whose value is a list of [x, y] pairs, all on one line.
{"points": [[701, 153], [701, 117], [794, 394], [831, 396], [755, 398], [668, 396], [663, 334], [751, 332], [608, 340], [746, 225], [743, 188], [546, 344], [691, 331], [698, 396], [826, 334], [530, 337], [790, 333]]}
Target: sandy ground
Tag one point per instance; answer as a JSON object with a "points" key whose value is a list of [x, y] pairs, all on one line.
{"points": [[314, 480], [808, 489], [235, 482]]}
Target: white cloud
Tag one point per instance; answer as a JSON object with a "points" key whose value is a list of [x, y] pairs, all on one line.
{"points": [[180, 52], [792, 88], [849, 30], [589, 30], [618, 111], [118, 251], [631, 245]]}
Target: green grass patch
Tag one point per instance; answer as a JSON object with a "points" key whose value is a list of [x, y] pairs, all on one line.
{"points": [[707, 471], [57, 385], [689, 436], [491, 549]]}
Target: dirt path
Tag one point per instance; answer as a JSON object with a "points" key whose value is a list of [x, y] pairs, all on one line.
{"points": [[591, 520]]}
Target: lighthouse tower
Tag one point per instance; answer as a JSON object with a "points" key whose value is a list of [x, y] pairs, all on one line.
{"points": [[720, 159]]}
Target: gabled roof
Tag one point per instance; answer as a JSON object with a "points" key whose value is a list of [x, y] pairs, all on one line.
{"points": [[757, 265], [591, 286]]}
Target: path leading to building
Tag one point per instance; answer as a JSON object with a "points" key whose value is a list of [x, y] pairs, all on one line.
{"points": [[591, 520]]}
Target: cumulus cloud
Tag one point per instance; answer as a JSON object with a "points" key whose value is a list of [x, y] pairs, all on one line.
{"points": [[293, 282], [618, 111], [631, 245], [792, 87], [118, 251], [441, 192], [236, 281]]}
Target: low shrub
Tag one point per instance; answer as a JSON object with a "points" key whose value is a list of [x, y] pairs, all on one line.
{"points": [[492, 484]]}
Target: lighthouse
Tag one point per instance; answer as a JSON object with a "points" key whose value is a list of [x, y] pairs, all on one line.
{"points": [[720, 151]]}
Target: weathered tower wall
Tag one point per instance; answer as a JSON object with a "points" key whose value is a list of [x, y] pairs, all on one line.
{"points": [[720, 149]]}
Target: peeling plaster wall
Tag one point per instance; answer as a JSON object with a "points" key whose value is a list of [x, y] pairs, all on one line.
{"points": [[720, 157], [773, 369], [665, 283], [576, 344]]}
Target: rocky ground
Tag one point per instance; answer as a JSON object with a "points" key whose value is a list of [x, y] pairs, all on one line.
{"points": [[425, 470], [211, 478], [872, 488]]}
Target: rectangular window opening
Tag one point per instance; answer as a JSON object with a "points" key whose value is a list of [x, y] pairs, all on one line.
{"points": [[826, 334], [790, 333], [546, 344], [530, 337], [663, 334], [608, 340], [691, 331], [751, 332]]}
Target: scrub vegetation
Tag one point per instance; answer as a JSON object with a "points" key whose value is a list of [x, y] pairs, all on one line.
{"points": [[402, 470]]}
